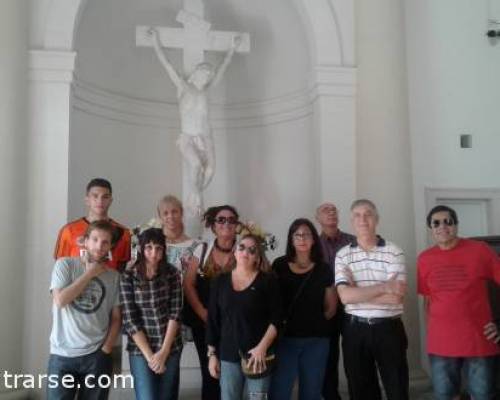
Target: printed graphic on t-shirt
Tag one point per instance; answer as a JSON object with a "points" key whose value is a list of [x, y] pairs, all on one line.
{"points": [[448, 277], [178, 256], [91, 298]]}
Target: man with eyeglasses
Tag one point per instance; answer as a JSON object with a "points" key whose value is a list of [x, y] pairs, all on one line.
{"points": [[370, 276], [332, 240], [452, 278]]}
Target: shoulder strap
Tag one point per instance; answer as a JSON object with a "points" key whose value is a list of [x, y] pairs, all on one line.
{"points": [[202, 256], [297, 295]]}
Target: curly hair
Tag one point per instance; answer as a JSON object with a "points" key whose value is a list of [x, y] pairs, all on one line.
{"points": [[211, 213]]}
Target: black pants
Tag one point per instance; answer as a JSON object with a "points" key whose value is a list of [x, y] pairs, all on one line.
{"points": [[210, 389], [331, 383], [368, 346]]}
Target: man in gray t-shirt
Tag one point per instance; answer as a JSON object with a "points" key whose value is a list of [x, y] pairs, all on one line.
{"points": [[86, 318]]}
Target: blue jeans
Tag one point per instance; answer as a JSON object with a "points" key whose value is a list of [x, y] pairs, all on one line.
{"points": [[232, 382], [447, 372], [302, 357], [85, 372], [149, 385]]}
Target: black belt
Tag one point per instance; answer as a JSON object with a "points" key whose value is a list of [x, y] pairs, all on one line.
{"points": [[372, 320]]}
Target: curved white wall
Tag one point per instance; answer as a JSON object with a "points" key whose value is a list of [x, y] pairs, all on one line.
{"points": [[278, 63], [264, 100]]}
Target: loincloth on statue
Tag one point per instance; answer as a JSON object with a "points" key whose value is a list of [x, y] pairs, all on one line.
{"points": [[201, 143]]}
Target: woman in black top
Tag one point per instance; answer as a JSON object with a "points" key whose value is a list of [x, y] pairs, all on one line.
{"points": [[243, 316], [306, 284]]}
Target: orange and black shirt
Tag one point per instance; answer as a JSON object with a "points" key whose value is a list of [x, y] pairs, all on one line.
{"points": [[70, 241]]}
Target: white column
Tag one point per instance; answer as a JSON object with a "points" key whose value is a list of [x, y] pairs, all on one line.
{"points": [[334, 120], [383, 140], [13, 132], [51, 74]]}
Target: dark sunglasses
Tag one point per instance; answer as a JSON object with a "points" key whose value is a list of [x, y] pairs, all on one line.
{"points": [[252, 250], [226, 220], [436, 223]]}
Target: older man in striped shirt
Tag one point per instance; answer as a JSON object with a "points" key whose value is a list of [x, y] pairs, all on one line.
{"points": [[370, 277]]}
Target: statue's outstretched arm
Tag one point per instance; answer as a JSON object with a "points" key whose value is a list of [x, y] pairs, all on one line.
{"points": [[227, 59], [172, 73]]}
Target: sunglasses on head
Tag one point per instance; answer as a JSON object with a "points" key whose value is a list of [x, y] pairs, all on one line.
{"points": [[250, 249], [436, 223], [226, 220]]}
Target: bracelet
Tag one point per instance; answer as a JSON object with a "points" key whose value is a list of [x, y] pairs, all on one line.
{"points": [[211, 353]]}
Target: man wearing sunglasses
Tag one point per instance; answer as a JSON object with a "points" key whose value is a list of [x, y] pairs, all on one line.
{"points": [[452, 278]]}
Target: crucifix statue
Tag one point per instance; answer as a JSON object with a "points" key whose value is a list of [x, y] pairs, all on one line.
{"points": [[195, 140]]}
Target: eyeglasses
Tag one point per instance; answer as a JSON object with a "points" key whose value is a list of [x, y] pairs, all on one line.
{"points": [[303, 236], [252, 250], [226, 220], [436, 223]]}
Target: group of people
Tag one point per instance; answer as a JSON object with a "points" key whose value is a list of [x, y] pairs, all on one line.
{"points": [[258, 327]]}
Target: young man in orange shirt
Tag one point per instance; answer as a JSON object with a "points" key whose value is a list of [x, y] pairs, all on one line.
{"points": [[98, 199]]}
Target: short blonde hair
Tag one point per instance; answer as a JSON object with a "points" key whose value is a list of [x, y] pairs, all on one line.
{"points": [[170, 199]]}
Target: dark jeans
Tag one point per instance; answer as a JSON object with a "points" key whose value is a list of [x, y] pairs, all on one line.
{"points": [[210, 389], [447, 376], [302, 358], [82, 373], [368, 346], [150, 385]]}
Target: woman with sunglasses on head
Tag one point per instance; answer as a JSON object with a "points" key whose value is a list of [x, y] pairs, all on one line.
{"points": [[216, 258], [309, 299], [243, 317], [151, 300]]}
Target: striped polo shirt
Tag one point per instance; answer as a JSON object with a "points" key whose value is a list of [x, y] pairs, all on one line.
{"points": [[367, 268]]}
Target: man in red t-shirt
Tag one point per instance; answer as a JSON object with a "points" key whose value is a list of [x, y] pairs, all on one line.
{"points": [[98, 199], [452, 276]]}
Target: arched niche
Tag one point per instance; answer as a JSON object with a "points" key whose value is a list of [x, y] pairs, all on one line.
{"points": [[328, 23]]}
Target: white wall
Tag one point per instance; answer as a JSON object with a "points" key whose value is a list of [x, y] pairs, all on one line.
{"points": [[142, 163], [13, 160], [453, 86]]}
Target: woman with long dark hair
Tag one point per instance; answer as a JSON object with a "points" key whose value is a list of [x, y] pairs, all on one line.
{"points": [[216, 258], [151, 300], [309, 299]]}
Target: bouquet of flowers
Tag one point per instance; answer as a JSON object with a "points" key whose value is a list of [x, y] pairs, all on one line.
{"points": [[268, 241]]}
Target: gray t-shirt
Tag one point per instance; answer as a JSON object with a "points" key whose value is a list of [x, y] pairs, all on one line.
{"points": [[80, 327]]}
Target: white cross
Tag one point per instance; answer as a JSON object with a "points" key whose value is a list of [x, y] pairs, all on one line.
{"points": [[195, 38]]}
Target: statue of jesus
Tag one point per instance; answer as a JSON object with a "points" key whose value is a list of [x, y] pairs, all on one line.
{"points": [[195, 140]]}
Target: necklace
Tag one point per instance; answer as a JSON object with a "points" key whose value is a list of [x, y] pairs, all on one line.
{"points": [[222, 249]]}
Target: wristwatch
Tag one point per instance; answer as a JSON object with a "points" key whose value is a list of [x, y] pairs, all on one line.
{"points": [[211, 352]]}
